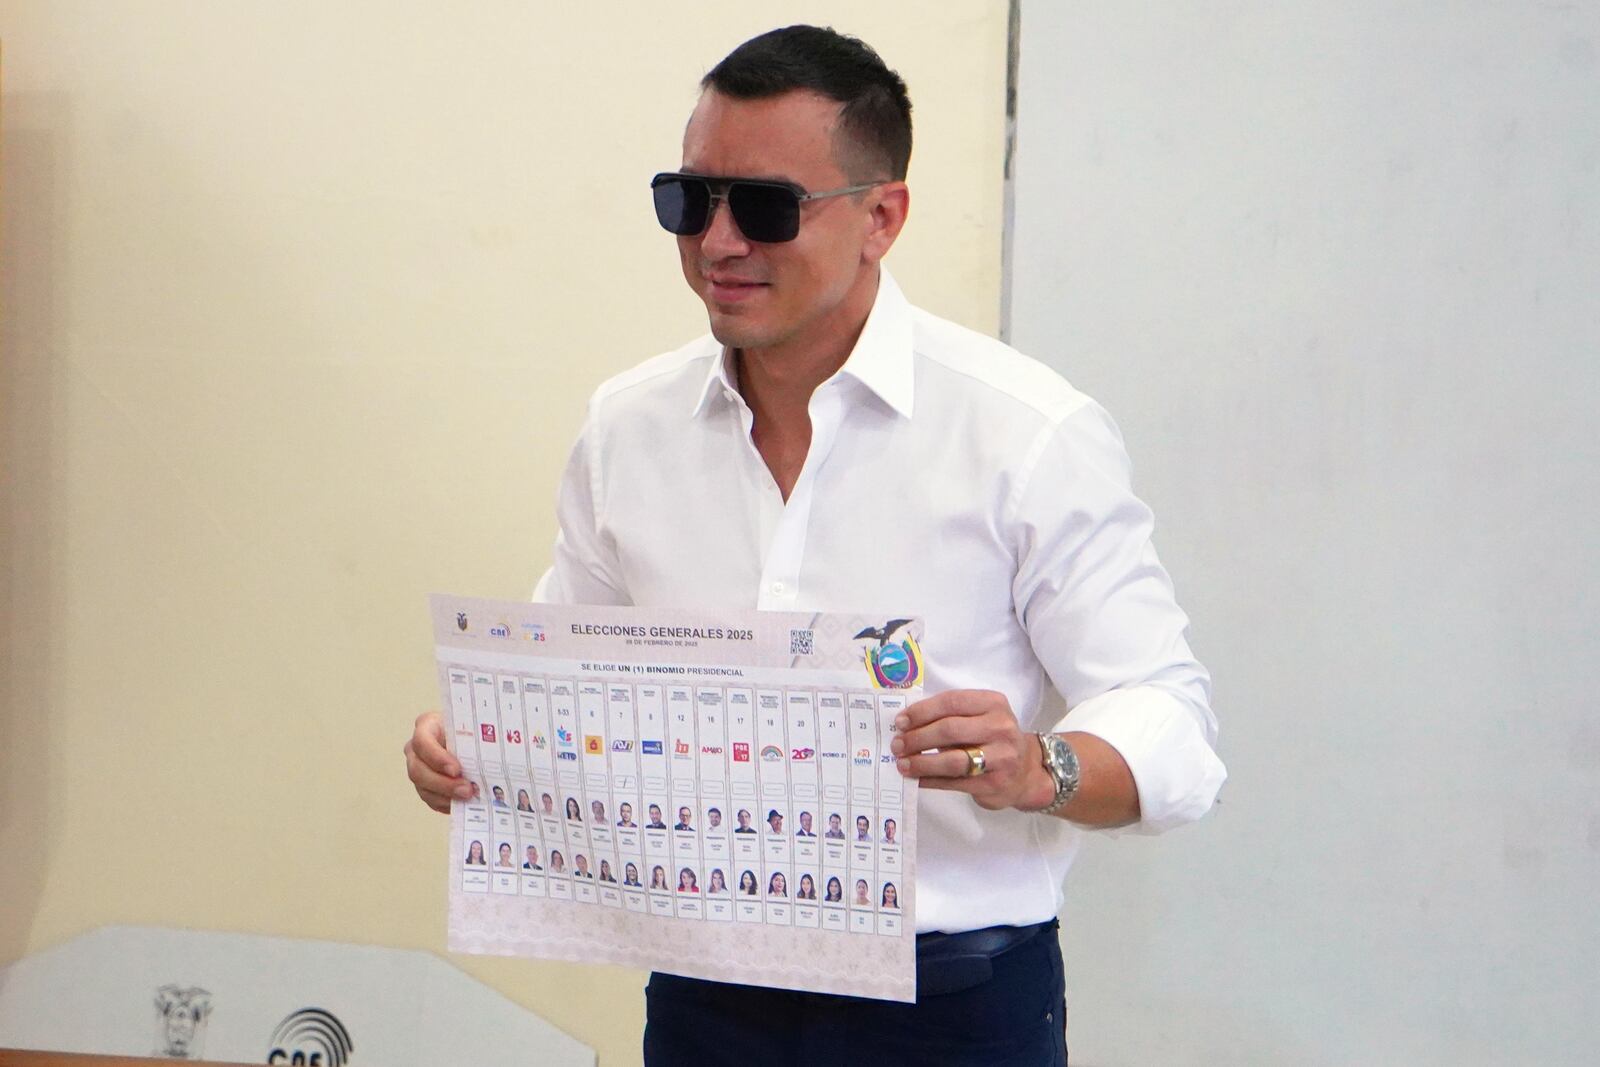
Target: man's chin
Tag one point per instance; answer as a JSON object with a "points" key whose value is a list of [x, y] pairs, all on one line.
{"points": [[734, 331]]}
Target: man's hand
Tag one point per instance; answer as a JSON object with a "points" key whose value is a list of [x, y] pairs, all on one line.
{"points": [[1014, 774], [431, 767]]}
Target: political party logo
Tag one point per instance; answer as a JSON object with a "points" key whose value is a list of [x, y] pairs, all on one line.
{"points": [[863, 757], [461, 620], [681, 748], [741, 752], [771, 753], [802, 755], [892, 664], [538, 741], [711, 750], [594, 744], [563, 735], [622, 746], [181, 1015], [650, 748], [311, 1037]]}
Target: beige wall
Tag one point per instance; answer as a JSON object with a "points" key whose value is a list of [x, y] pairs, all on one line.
{"points": [[301, 302]]}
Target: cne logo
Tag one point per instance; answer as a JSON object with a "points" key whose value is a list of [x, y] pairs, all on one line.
{"points": [[311, 1037], [892, 664], [741, 752]]}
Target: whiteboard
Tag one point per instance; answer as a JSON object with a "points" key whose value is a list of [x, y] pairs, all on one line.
{"points": [[1334, 268]]}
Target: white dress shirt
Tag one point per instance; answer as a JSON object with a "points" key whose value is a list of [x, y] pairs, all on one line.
{"points": [[951, 478]]}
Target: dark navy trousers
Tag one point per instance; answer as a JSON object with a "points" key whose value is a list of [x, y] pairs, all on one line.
{"points": [[1016, 1017]]}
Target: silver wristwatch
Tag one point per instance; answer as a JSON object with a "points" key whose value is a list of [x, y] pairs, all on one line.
{"points": [[1062, 763]]}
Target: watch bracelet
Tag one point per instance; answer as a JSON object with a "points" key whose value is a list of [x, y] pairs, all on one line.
{"points": [[1061, 798]]}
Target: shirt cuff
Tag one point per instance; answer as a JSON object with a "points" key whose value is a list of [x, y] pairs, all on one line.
{"points": [[1161, 738]]}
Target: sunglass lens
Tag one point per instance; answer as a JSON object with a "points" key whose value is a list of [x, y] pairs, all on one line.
{"points": [[765, 213], [682, 204]]}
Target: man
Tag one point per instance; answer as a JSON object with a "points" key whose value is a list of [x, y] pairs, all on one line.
{"points": [[805, 825], [683, 820], [625, 810], [889, 828], [655, 822], [580, 866], [775, 822], [863, 828], [499, 797], [598, 810], [714, 819], [532, 862], [1022, 546], [835, 830], [744, 826]]}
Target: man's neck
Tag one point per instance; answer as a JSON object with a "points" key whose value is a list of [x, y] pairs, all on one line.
{"points": [[777, 382]]}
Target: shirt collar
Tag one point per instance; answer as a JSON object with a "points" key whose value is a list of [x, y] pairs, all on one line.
{"points": [[882, 359]]}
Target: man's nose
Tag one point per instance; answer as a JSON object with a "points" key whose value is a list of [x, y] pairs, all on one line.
{"points": [[722, 238]]}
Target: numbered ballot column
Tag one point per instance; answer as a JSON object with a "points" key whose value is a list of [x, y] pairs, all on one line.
{"points": [[591, 697], [684, 766], [475, 844], [862, 709], [502, 860], [592, 720], [805, 791], [772, 767], [891, 794], [777, 821], [654, 780], [542, 758], [744, 798], [569, 782], [833, 766], [528, 857], [715, 850], [622, 725], [542, 749]]}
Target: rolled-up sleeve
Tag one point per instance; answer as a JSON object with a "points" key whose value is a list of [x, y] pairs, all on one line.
{"points": [[583, 567], [1101, 614]]}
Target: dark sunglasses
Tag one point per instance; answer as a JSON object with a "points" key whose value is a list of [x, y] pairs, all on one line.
{"points": [[768, 212]]}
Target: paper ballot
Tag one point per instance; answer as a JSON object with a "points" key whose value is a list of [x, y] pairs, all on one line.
{"points": [[706, 794]]}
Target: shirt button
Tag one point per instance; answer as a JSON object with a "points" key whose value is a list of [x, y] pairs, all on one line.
{"points": [[777, 588]]}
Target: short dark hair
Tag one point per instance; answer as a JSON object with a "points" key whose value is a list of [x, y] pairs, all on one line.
{"points": [[876, 117]]}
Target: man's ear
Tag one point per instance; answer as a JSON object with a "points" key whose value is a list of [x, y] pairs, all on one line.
{"points": [[886, 216]]}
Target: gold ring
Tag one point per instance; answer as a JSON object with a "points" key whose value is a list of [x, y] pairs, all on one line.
{"points": [[976, 764]]}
